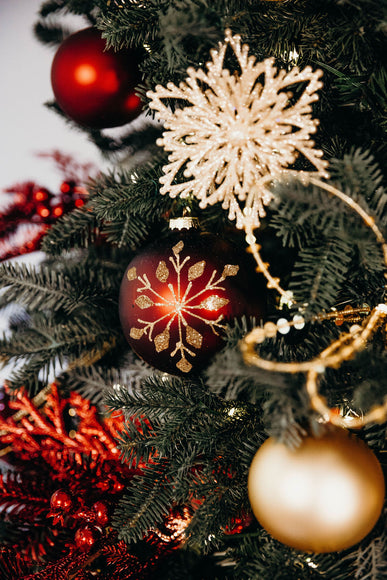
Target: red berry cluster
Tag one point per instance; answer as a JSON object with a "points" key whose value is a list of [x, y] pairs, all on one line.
{"points": [[30, 211], [73, 512]]}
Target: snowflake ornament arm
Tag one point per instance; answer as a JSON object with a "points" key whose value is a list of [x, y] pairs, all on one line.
{"points": [[236, 134]]}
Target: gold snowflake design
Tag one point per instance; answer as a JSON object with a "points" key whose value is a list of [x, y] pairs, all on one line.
{"points": [[237, 134], [180, 302]]}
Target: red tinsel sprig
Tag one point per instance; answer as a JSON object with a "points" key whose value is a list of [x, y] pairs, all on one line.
{"points": [[33, 429], [69, 478]]}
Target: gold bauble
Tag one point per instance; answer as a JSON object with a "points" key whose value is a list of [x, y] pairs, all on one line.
{"points": [[324, 496]]}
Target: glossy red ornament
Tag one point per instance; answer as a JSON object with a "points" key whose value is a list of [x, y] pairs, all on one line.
{"points": [[61, 501], [177, 295], [101, 513], [93, 86], [86, 537]]}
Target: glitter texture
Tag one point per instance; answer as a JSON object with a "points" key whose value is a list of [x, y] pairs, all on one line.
{"points": [[236, 135], [131, 274], [162, 272]]}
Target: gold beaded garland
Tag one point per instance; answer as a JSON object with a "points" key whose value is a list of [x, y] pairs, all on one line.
{"points": [[344, 348]]}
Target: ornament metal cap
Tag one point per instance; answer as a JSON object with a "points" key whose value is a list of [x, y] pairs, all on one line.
{"points": [[183, 223]]}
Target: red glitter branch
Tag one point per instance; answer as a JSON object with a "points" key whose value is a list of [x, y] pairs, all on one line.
{"points": [[34, 429]]}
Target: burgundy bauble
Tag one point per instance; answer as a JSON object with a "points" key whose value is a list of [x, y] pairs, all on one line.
{"points": [[177, 295], [61, 501], [86, 537], [101, 513], [95, 87]]}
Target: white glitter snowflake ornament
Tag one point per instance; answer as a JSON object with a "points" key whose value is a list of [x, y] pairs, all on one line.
{"points": [[236, 133]]}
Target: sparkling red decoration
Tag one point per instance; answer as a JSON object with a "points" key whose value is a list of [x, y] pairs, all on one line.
{"points": [[237, 525], [86, 537], [29, 210], [95, 87], [68, 481], [101, 513], [61, 500], [177, 295]]}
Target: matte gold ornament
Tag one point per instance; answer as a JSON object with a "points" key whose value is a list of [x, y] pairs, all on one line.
{"points": [[236, 133], [324, 496]]}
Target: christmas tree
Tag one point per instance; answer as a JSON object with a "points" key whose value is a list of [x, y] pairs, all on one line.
{"points": [[197, 366]]}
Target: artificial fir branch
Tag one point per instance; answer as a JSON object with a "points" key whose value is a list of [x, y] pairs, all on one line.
{"points": [[50, 33], [129, 193], [45, 288], [199, 445], [335, 231], [320, 272], [307, 211], [142, 140], [92, 382], [46, 344], [359, 170], [78, 229], [371, 559], [257, 556], [137, 512]]}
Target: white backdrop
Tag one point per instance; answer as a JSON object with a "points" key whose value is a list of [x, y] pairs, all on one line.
{"points": [[27, 127]]}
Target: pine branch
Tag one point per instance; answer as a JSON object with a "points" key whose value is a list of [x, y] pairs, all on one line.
{"points": [[93, 382], [133, 193], [45, 345], [136, 140], [46, 289], [51, 6], [123, 28], [77, 229], [50, 33], [369, 388], [259, 556], [159, 399], [358, 172], [303, 213], [128, 232], [146, 504], [370, 556], [319, 273], [189, 427]]}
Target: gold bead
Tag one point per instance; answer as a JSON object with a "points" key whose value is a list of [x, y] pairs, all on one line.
{"points": [[270, 329], [258, 335]]}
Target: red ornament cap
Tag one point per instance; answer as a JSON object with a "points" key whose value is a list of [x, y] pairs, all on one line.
{"points": [[93, 85]]}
